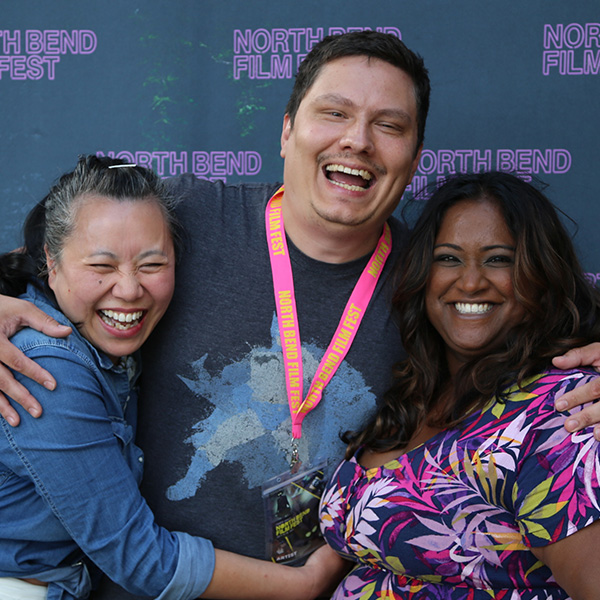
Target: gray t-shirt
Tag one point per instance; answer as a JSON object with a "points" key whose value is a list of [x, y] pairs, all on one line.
{"points": [[214, 419]]}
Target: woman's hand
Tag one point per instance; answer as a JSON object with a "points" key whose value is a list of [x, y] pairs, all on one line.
{"points": [[587, 356], [14, 315]]}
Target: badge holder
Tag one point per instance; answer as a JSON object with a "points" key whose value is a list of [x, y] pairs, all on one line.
{"points": [[291, 502]]}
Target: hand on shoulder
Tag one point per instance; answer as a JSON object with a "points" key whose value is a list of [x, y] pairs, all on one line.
{"points": [[14, 315]]}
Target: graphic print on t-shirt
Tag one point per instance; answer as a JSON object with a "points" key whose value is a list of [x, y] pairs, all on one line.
{"points": [[251, 423]]}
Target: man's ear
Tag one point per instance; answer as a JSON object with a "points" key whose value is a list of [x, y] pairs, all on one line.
{"points": [[285, 133]]}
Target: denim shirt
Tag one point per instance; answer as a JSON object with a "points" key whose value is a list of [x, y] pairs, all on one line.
{"points": [[69, 481]]}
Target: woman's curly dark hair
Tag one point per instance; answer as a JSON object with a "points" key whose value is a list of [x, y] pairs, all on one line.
{"points": [[562, 310]]}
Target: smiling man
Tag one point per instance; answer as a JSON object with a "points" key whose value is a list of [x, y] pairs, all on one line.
{"points": [[350, 149]]}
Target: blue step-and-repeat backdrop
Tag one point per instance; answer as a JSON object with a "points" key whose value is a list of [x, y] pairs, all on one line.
{"points": [[201, 86]]}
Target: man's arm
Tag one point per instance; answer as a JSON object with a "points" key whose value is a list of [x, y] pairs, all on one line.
{"points": [[237, 576], [14, 315], [587, 356]]}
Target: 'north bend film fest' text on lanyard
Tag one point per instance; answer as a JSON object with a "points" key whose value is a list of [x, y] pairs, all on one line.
{"points": [[289, 331]]}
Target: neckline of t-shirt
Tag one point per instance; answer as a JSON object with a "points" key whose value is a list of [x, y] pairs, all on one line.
{"points": [[299, 259]]}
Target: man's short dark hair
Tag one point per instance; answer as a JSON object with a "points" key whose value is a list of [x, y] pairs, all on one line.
{"points": [[372, 44]]}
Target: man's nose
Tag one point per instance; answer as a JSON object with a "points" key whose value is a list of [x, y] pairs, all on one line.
{"points": [[357, 137]]}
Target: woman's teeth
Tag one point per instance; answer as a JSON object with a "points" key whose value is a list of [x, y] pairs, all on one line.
{"points": [[465, 308], [120, 320]]}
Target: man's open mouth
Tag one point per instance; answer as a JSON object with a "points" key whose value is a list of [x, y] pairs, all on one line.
{"points": [[354, 180]]}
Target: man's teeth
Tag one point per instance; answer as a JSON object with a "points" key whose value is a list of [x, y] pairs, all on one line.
{"points": [[472, 309], [120, 320], [356, 172], [348, 171], [352, 188]]}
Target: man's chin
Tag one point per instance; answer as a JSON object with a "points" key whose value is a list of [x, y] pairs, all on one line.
{"points": [[344, 216]]}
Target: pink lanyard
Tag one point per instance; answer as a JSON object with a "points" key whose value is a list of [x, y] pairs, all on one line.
{"points": [[285, 302]]}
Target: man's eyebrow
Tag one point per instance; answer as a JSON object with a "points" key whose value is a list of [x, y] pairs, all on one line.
{"points": [[333, 97]]}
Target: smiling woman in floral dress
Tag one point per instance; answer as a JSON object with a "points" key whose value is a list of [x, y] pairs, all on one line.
{"points": [[466, 484]]}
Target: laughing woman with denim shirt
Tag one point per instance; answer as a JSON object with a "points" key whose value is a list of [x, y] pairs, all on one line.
{"points": [[104, 241]]}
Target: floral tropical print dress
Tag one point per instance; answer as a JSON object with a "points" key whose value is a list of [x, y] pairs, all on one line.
{"points": [[454, 518]]}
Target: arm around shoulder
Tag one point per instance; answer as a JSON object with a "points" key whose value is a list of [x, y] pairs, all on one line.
{"points": [[14, 315]]}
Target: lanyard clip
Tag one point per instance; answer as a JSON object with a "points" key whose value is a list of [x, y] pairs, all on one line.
{"points": [[295, 459]]}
